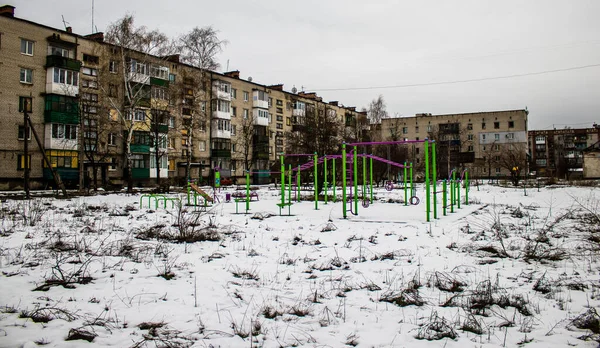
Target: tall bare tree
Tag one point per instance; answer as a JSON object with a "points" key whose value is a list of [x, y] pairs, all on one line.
{"points": [[377, 110], [200, 47], [134, 51], [514, 159]]}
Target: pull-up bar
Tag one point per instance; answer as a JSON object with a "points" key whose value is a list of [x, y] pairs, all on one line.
{"points": [[389, 142]]}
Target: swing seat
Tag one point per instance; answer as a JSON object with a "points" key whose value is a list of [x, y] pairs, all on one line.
{"points": [[280, 205]]}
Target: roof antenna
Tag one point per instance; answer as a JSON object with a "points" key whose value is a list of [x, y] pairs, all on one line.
{"points": [[93, 17], [64, 22]]}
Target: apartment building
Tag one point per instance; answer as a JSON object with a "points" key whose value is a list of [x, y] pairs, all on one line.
{"points": [[560, 152], [489, 144], [108, 116]]}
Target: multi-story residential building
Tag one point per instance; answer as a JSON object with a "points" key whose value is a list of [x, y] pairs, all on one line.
{"points": [[489, 144], [111, 115], [559, 152]]}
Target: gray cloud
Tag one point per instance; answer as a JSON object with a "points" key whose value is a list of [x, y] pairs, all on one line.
{"points": [[349, 43]]}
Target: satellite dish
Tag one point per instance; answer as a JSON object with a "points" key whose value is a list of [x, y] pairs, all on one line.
{"points": [[249, 78], [294, 89]]}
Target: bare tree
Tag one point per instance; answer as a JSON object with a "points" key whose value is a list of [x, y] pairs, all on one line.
{"points": [[134, 50], [244, 140], [200, 47], [514, 159], [377, 110]]}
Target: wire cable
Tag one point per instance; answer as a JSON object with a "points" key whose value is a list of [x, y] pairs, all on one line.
{"points": [[458, 81]]}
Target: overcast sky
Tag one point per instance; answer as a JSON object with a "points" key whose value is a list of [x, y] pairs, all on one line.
{"points": [[325, 45]]}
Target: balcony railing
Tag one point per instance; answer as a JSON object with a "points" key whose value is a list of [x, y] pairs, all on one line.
{"points": [[220, 153], [61, 117], [62, 62], [159, 82]]}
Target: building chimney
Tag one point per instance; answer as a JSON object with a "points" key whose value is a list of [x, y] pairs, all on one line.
{"points": [[70, 30], [7, 11], [98, 37], [334, 103], [278, 87], [235, 74]]}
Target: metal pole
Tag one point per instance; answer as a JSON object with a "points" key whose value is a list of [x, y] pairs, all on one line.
{"points": [[412, 183], [316, 183], [297, 184], [434, 169], [247, 190], [344, 180], [325, 176], [355, 175], [467, 188], [405, 185], [458, 194], [282, 181], [452, 191], [444, 197], [26, 160], [371, 177], [364, 179], [290, 187], [427, 179], [333, 179]]}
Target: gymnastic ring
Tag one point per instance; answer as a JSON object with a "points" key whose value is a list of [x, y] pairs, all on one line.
{"points": [[389, 186], [366, 203], [414, 200]]}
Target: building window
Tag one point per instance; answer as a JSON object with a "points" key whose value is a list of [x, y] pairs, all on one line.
{"points": [[21, 162], [93, 97], [160, 93], [68, 77], [113, 164], [26, 75], [246, 96], [232, 129], [91, 59], [233, 93], [496, 136], [232, 147], [245, 113], [22, 132], [511, 124], [288, 121], [171, 122], [138, 161], [27, 47], [510, 136], [90, 109], [541, 162], [469, 126], [470, 148], [113, 67], [202, 145], [404, 130], [280, 126], [496, 125], [112, 139], [497, 148], [498, 170], [91, 84], [89, 71], [64, 131], [233, 111], [270, 102], [482, 125], [22, 101], [470, 137]]}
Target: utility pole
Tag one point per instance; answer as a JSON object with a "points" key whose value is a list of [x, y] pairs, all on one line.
{"points": [[26, 161]]}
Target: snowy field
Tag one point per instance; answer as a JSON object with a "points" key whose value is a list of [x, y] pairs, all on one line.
{"points": [[506, 270]]}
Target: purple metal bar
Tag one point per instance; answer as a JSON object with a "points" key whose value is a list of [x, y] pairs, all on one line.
{"points": [[387, 161], [389, 142], [298, 155]]}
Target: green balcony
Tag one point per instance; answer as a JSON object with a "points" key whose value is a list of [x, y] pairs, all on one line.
{"points": [[66, 174], [159, 82], [140, 173], [140, 148], [60, 117], [62, 62], [220, 153], [163, 128], [260, 139]]}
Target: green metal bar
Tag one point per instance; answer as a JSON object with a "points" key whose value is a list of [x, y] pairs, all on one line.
{"points": [[371, 178], [405, 185], [434, 169], [247, 190], [355, 175], [325, 176], [282, 180], [467, 187], [364, 178], [427, 193], [412, 183], [344, 212], [452, 191], [333, 179], [298, 183], [458, 194], [444, 197], [316, 183], [290, 186]]}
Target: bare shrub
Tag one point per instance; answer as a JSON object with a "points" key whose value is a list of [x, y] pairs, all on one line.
{"points": [[33, 210], [81, 333], [471, 324], [436, 328], [447, 282], [406, 297], [47, 314], [238, 272], [589, 320]]}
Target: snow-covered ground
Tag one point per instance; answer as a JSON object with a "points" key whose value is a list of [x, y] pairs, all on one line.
{"points": [[505, 270]]}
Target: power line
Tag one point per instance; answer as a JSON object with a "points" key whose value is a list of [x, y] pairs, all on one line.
{"points": [[459, 81]]}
